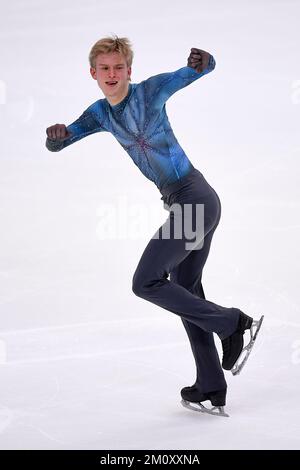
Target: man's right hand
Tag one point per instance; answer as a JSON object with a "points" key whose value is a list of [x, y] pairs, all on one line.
{"points": [[58, 132]]}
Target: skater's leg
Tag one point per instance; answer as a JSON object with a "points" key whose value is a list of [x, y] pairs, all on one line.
{"points": [[161, 256], [210, 376]]}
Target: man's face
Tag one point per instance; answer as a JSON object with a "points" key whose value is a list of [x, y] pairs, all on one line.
{"points": [[109, 68]]}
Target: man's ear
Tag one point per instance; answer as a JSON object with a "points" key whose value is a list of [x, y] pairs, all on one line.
{"points": [[93, 73], [129, 72]]}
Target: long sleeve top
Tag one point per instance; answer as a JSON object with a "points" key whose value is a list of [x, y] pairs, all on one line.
{"points": [[141, 125]]}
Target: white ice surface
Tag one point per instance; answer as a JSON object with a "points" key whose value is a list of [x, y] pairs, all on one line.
{"points": [[84, 363]]}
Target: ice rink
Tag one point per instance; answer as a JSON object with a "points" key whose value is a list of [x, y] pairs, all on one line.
{"points": [[84, 363]]}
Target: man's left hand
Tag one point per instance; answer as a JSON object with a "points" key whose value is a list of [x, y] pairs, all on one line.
{"points": [[198, 59]]}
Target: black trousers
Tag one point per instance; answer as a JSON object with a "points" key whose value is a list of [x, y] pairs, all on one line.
{"points": [[192, 203]]}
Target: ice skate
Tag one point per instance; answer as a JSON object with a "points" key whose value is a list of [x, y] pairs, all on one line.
{"points": [[191, 395], [233, 346]]}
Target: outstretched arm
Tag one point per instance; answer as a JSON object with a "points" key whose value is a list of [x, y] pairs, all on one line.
{"points": [[60, 136], [160, 87]]}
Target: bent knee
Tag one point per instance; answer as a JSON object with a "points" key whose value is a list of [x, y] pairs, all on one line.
{"points": [[138, 287], [142, 287]]}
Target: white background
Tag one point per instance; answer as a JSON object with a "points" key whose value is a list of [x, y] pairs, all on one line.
{"points": [[84, 363]]}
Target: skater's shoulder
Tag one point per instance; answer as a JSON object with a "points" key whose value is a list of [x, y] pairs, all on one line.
{"points": [[97, 107]]}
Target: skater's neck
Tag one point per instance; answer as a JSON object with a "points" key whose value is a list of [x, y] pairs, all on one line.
{"points": [[115, 100]]}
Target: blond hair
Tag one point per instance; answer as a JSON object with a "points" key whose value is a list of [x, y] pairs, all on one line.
{"points": [[111, 44]]}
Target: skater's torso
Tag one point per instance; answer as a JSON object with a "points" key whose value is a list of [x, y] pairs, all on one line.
{"points": [[141, 126]]}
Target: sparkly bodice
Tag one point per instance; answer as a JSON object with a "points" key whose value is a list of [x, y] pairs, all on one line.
{"points": [[141, 126]]}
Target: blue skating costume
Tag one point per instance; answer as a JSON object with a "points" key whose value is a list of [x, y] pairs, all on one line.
{"points": [[140, 124]]}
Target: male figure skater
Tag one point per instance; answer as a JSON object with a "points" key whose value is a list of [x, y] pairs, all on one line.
{"points": [[135, 113]]}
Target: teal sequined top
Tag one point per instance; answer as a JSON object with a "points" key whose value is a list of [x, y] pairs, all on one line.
{"points": [[140, 124]]}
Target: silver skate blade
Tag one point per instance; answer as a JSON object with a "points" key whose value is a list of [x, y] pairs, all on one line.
{"points": [[238, 366], [215, 410]]}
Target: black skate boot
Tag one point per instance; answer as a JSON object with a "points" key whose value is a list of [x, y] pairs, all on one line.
{"points": [[233, 345], [193, 395]]}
